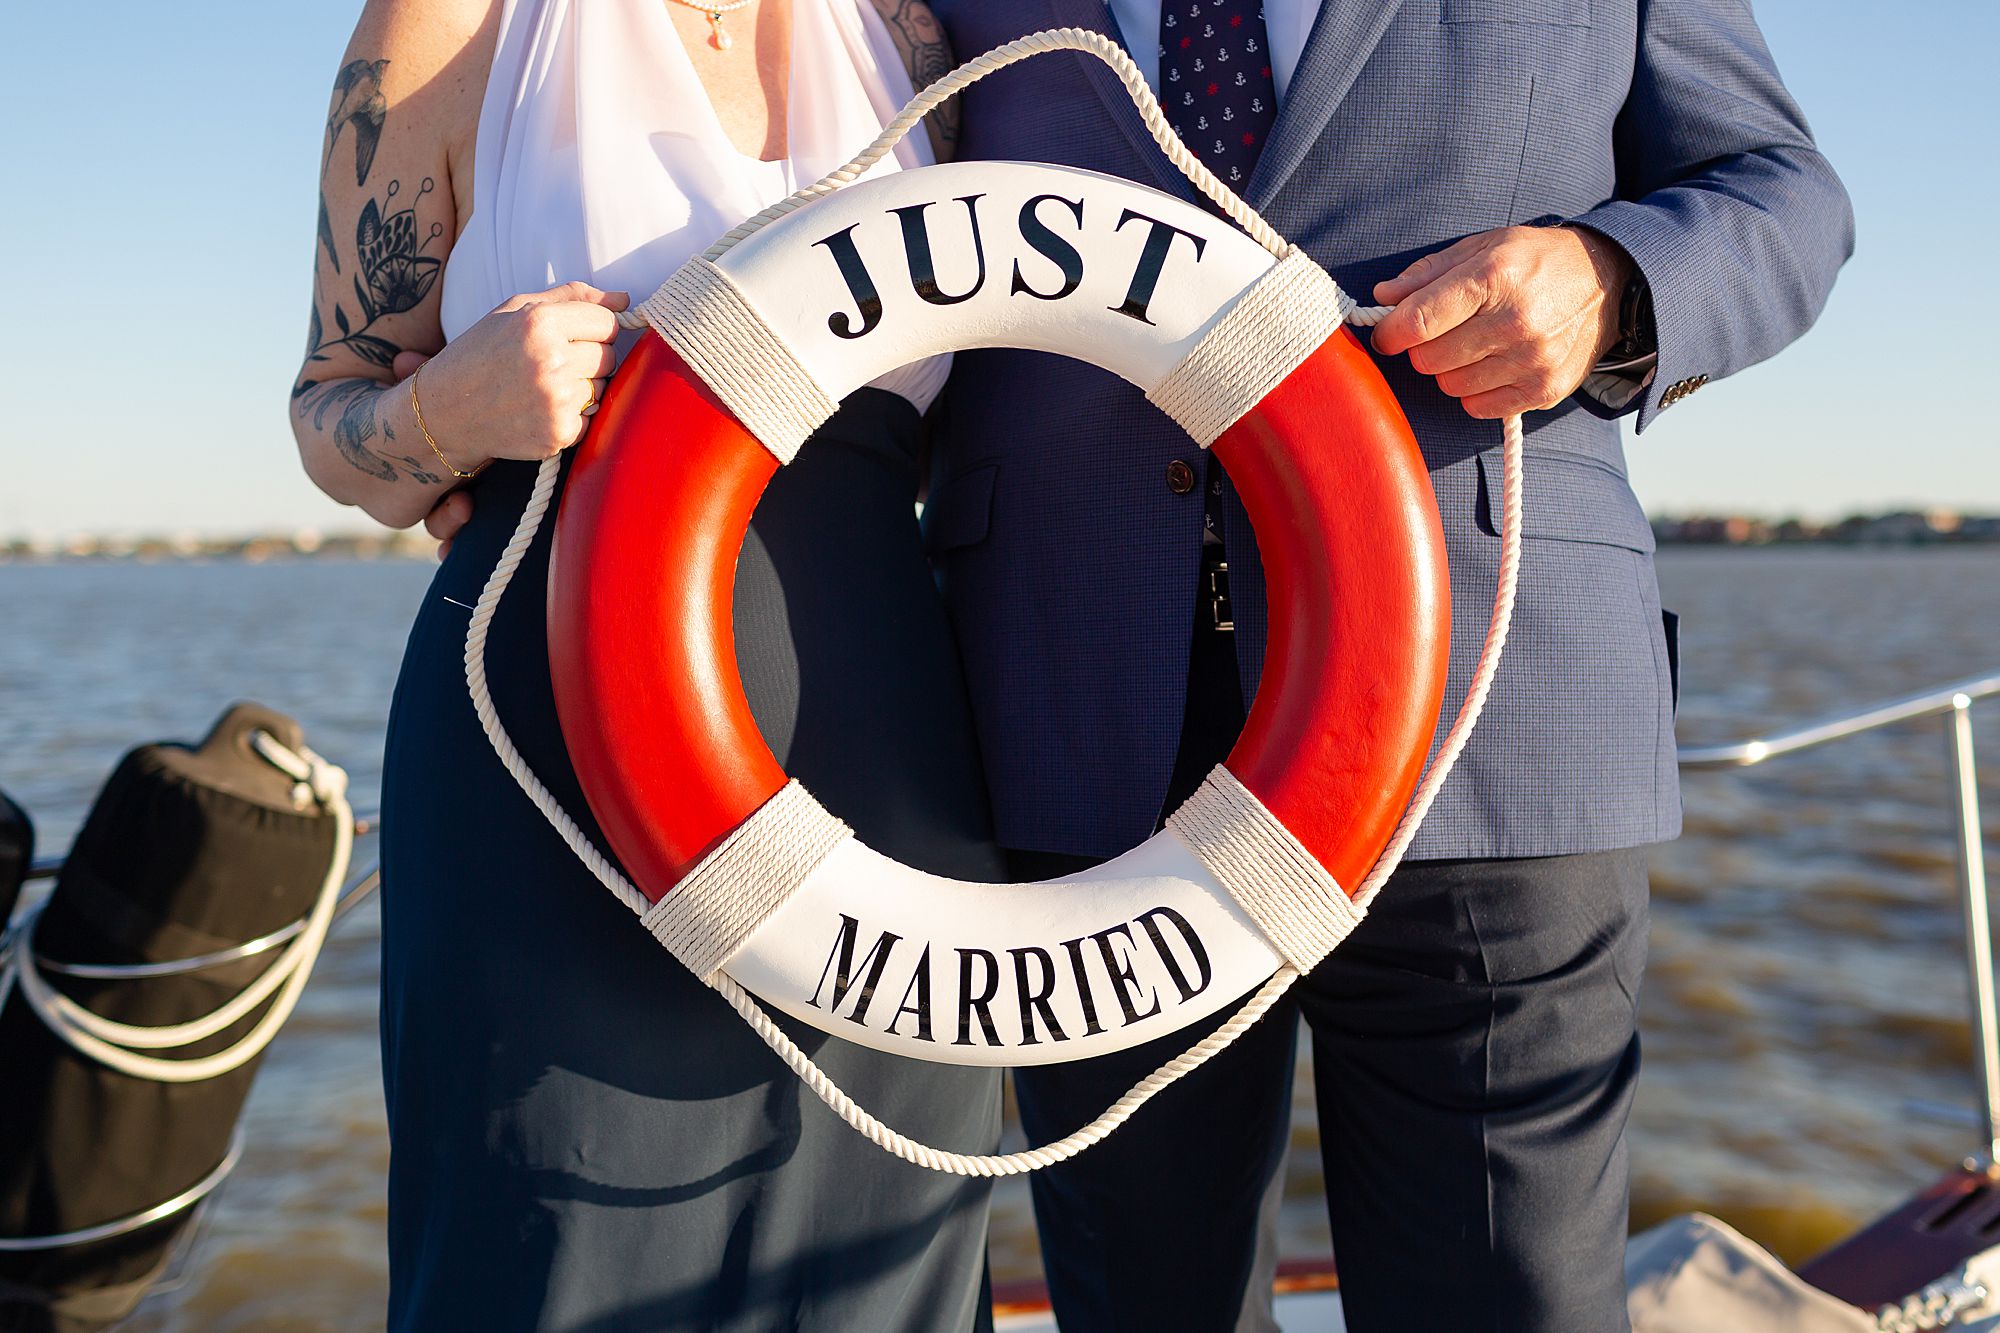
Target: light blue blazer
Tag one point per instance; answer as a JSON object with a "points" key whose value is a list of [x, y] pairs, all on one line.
{"points": [[1070, 565]]}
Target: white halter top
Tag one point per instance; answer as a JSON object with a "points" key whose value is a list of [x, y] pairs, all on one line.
{"points": [[600, 158]]}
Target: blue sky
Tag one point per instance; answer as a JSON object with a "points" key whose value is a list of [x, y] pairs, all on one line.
{"points": [[161, 164]]}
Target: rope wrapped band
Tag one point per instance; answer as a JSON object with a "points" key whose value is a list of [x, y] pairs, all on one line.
{"points": [[1300, 908], [1271, 329], [857, 1117], [739, 886], [705, 317]]}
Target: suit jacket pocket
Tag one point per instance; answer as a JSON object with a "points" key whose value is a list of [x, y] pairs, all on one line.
{"points": [[1569, 13], [959, 511], [1670, 623], [1566, 497]]}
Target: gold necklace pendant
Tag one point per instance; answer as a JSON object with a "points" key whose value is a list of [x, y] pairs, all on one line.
{"points": [[718, 36]]}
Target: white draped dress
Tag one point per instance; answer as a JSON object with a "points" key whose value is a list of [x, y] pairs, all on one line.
{"points": [[599, 157]]}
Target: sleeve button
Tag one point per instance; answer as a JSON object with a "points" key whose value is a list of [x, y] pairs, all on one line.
{"points": [[1682, 389]]}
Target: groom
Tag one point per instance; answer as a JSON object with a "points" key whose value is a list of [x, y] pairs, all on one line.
{"points": [[1585, 209]]}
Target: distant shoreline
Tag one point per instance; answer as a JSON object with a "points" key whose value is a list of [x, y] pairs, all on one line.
{"points": [[1904, 528], [289, 548], [1907, 527]]}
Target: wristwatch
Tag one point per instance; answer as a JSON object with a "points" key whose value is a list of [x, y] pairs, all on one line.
{"points": [[1638, 341]]}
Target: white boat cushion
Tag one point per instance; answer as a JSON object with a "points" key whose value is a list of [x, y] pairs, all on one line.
{"points": [[1697, 1275]]}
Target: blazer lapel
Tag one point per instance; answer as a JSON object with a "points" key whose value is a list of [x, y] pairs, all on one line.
{"points": [[1095, 15], [1343, 36]]}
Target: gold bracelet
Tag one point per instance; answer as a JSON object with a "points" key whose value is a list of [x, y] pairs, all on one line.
{"points": [[417, 411]]}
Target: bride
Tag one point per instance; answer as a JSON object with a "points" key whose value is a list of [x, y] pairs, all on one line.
{"points": [[583, 1136]]}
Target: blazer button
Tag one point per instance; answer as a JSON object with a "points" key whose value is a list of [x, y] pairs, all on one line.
{"points": [[1180, 477]]}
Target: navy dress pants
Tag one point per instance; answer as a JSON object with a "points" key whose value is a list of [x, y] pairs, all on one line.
{"points": [[584, 1138], [1474, 1056]]}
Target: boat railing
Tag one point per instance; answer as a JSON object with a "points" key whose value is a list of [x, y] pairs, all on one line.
{"points": [[1953, 703]]}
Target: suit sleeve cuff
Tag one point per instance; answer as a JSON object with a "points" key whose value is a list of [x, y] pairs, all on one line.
{"points": [[1651, 237], [1616, 386]]}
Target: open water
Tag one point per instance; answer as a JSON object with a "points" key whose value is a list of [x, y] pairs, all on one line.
{"points": [[1805, 987]]}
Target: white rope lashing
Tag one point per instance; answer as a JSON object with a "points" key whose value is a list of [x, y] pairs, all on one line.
{"points": [[797, 1060], [750, 875], [119, 1046], [1299, 907], [706, 318], [1281, 980], [1283, 318]]}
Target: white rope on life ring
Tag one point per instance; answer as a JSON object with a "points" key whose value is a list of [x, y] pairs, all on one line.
{"points": [[788, 412]]}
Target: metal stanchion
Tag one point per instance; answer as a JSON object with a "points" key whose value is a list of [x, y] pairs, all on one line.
{"points": [[1978, 925]]}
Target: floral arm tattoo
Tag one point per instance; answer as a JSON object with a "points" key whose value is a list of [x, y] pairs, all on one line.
{"points": [[926, 52], [390, 271]]}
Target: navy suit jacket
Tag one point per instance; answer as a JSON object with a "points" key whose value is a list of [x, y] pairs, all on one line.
{"points": [[1070, 565]]}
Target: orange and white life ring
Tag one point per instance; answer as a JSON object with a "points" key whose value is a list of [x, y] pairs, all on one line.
{"points": [[1246, 350]]}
